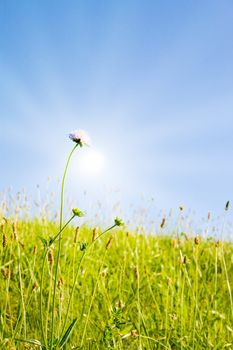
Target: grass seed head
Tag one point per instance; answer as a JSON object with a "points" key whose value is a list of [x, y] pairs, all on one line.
{"points": [[94, 234], [4, 240], [51, 257], [163, 223], [169, 282], [109, 243], [76, 235], [22, 244], [35, 286], [136, 272], [14, 231], [197, 240], [6, 272], [35, 249], [227, 205], [60, 282], [175, 243]]}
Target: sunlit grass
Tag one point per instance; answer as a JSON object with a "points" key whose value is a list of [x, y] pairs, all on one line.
{"points": [[132, 291]]}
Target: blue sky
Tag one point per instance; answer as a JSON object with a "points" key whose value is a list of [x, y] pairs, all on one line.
{"points": [[151, 81]]}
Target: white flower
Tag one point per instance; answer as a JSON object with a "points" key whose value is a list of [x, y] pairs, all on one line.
{"points": [[80, 137]]}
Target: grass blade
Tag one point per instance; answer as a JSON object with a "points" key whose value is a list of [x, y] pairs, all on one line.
{"points": [[67, 333]]}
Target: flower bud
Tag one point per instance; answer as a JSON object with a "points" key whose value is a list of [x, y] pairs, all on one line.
{"points": [[118, 222], [77, 212]]}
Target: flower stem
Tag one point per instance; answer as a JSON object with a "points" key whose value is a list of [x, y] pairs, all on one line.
{"points": [[59, 245], [42, 277], [76, 275]]}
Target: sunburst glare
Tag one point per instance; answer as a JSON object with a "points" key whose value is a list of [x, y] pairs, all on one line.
{"points": [[91, 162]]}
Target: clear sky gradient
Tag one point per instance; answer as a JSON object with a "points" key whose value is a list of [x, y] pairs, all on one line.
{"points": [[151, 81]]}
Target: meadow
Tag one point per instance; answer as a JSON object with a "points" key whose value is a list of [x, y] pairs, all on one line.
{"points": [[132, 291], [64, 286]]}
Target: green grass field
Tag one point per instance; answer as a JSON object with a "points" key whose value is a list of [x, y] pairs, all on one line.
{"points": [[132, 291]]}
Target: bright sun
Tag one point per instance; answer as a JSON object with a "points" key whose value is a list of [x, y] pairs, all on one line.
{"points": [[91, 162]]}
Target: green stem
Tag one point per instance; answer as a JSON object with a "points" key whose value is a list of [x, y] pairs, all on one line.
{"points": [[92, 299], [62, 229], [63, 184], [41, 299], [59, 246], [21, 293], [42, 277], [76, 275]]}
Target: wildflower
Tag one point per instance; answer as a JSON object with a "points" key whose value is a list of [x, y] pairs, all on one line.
{"points": [[80, 137], [77, 212], [118, 222]]}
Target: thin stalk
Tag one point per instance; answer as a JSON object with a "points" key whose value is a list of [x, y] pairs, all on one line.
{"points": [[224, 264], [42, 277], [76, 275], [92, 299], [41, 299], [21, 293], [216, 277], [196, 296], [59, 245], [138, 298]]}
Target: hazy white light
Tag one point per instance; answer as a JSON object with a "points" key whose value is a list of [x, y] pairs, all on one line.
{"points": [[91, 162]]}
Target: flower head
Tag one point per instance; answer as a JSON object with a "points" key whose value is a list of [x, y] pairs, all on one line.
{"points": [[80, 137]]}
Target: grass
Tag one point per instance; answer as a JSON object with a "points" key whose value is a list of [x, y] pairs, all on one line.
{"points": [[132, 291]]}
